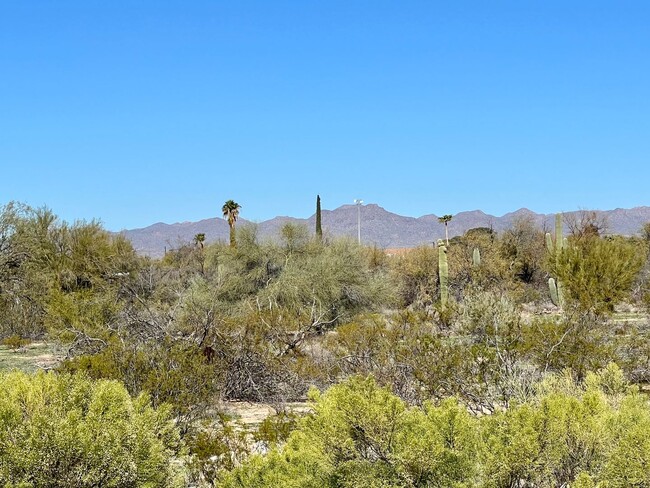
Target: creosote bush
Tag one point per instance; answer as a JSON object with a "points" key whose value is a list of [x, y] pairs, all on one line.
{"points": [[68, 431], [593, 433], [15, 342], [598, 273]]}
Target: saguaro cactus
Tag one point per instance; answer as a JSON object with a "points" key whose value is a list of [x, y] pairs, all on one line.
{"points": [[476, 257], [556, 292], [443, 273], [555, 247]]}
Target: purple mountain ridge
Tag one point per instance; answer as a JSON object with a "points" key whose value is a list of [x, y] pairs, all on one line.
{"points": [[378, 226]]}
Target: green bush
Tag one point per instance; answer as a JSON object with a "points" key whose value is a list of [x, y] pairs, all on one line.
{"points": [[68, 431], [215, 446], [15, 342], [361, 435], [598, 273], [594, 433]]}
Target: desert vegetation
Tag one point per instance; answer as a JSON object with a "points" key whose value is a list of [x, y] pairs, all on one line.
{"points": [[492, 360]]}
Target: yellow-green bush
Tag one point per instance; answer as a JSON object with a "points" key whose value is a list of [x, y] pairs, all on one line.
{"points": [[594, 433], [68, 431]]}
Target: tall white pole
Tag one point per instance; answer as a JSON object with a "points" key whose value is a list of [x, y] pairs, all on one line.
{"points": [[359, 222]]}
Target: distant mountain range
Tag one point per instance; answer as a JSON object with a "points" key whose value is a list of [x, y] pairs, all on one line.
{"points": [[378, 226]]}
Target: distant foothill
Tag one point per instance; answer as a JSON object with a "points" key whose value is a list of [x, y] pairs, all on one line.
{"points": [[386, 230]]}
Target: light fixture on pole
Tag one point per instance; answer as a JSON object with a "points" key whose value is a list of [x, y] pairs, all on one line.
{"points": [[358, 202]]}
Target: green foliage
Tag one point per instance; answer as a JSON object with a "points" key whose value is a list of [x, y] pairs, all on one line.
{"points": [[445, 219], [400, 352], [482, 355], [327, 284], [376, 258], [522, 246], [238, 329], [172, 373], [645, 233], [67, 431], [15, 342], [199, 240], [216, 446], [598, 273], [495, 272], [416, 276], [294, 237], [578, 342], [568, 434], [361, 435], [494, 369], [230, 211], [275, 429], [266, 320], [241, 273], [633, 351], [47, 266]]}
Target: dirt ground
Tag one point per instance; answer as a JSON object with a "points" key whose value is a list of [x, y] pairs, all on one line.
{"points": [[32, 357], [252, 414]]}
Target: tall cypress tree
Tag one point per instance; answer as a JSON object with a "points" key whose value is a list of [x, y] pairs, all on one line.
{"points": [[319, 229]]}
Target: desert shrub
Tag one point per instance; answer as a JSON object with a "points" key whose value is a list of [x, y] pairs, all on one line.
{"points": [[385, 348], [579, 342], [593, 433], [522, 246], [52, 272], [215, 446], [15, 342], [479, 359], [416, 275], [597, 273], [171, 373], [632, 341], [68, 431], [219, 445], [362, 435], [275, 429], [331, 283]]}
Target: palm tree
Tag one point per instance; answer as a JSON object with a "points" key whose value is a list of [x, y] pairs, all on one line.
{"points": [[230, 211], [199, 239], [445, 219]]}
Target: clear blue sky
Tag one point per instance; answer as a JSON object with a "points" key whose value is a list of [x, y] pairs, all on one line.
{"points": [[145, 111]]}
